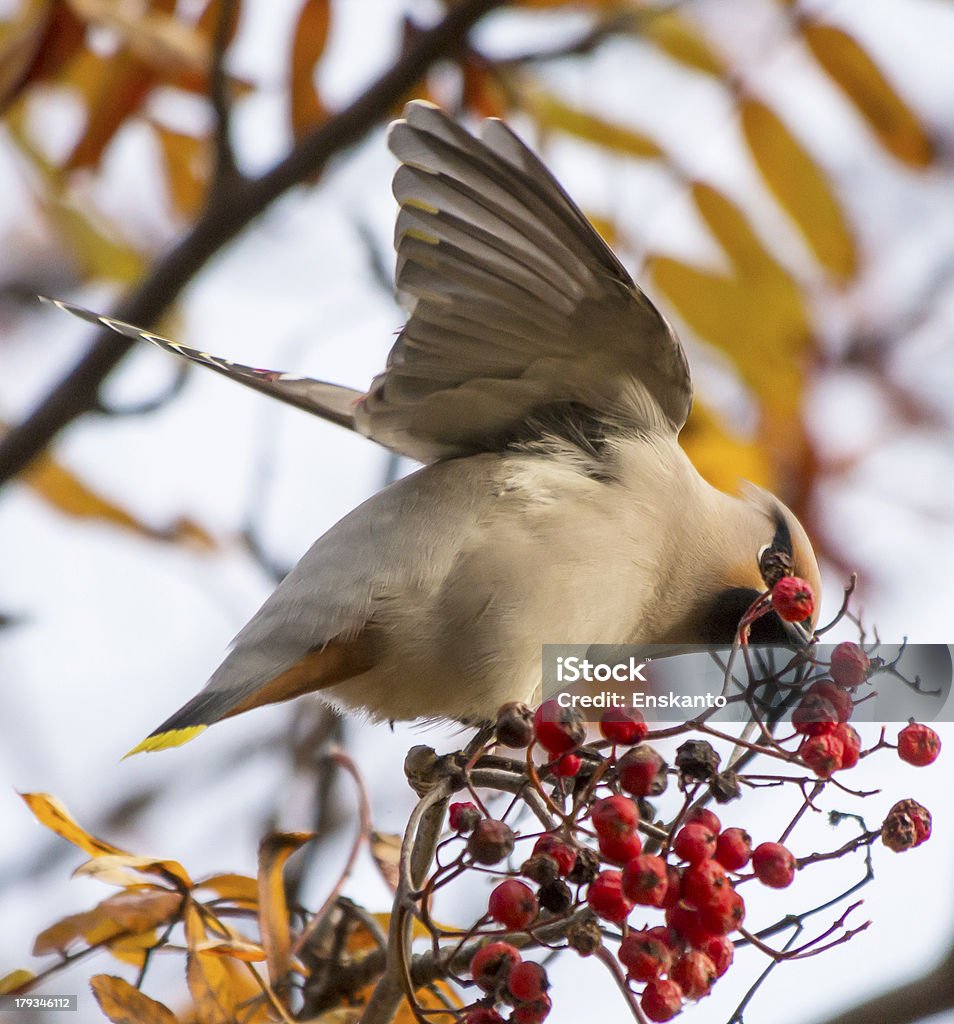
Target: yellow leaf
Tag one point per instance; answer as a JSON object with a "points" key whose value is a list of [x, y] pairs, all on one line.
{"points": [[732, 230], [801, 187], [238, 888], [274, 926], [98, 253], [308, 44], [187, 168], [682, 41], [51, 812], [136, 912], [553, 113], [209, 981], [67, 493], [15, 980], [124, 1004], [864, 83], [722, 457], [761, 323], [118, 870], [132, 949]]}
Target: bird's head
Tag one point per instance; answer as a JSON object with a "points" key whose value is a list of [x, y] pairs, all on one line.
{"points": [[767, 542]]}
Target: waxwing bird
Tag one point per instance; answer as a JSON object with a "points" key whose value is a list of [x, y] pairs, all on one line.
{"points": [[544, 394]]}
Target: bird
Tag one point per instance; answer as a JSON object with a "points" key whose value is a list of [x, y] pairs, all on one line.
{"points": [[543, 393]]}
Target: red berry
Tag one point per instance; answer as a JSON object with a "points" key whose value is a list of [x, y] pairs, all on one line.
{"points": [[606, 897], [568, 766], [533, 1012], [492, 964], [774, 865], [793, 599], [706, 817], [490, 841], [558, 730], [918, 745], [642, 771], [665, 935], [615, 816], [620, 849], [645, 880], [482, 1015], [694, 842], [733, 848], [849, 665], [824, 754], [687, 923], [839, 699], [661, 1000], [527, 981], [814, 716], [722, 915], [721, 951], [513, 904], [694, 973], [463, 816], [850, 742], [673, 885], [705, 883], [550, 845], [644, 956], [621, 726]]}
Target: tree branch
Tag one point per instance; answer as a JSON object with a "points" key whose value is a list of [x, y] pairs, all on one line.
{"points": [[232, 206]]}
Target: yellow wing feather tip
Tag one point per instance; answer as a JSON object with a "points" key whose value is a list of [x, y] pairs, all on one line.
{"points": [[166, 740]]}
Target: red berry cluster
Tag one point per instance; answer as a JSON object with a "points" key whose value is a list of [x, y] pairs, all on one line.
{"points": [[673, 892], [499, 971]]}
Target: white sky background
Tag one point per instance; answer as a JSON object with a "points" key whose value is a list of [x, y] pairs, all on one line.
{"points": [[120, 631]]}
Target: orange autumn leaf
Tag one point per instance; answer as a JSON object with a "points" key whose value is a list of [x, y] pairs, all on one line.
{"points": [[854, 71], [308, 44], [274, 924], [52, 813], [210, 983], [113, 89], [237, 888], [36, 45], [187, 167], [122, 1003], [126, 914]]}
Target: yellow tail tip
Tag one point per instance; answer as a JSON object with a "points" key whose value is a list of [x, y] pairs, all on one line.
{"points": [[166, 740]]}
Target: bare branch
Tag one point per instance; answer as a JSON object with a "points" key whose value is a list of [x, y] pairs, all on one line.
{"points": [[232, 206]]}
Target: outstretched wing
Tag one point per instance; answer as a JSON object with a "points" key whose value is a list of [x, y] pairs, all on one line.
{"points": [[330, 401], [517, 305], [518, 310]]}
